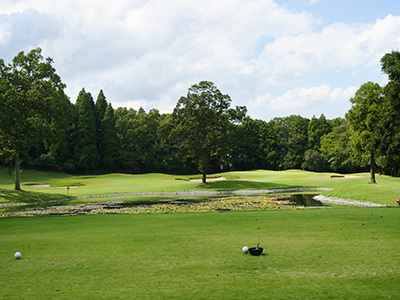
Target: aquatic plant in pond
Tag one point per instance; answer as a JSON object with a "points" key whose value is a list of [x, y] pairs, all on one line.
{"points": [[274, 202]]}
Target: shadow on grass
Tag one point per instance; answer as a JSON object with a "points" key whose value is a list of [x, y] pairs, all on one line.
{"points": [[12, 196], [229, 185]]}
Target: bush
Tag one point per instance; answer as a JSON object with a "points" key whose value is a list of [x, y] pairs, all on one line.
{"points": [[314, 161]]}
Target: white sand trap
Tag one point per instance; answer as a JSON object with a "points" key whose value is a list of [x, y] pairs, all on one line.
{"points": [[39, 185], [70, 186], [48, 185], [345, 176], [209, 179]]}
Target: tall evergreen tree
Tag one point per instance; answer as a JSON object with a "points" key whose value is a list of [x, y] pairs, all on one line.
{"points": [[109, 151], [86, 153], [100, 110], [101, 106]]}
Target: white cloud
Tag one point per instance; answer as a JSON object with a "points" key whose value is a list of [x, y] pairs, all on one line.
{"points": [[311, 99], [156, 44], [339, 95], [300, 97], [149, 52], [256, 107], [336, 47], [5, 33]]}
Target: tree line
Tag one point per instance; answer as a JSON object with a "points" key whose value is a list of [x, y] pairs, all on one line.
{"points": [[41, 129]]}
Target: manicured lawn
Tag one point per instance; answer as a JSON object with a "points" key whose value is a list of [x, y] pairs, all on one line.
{"points": [[339, 253], [386, 191], [334, 253]]}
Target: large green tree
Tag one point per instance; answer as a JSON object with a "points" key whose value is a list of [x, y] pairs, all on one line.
{"points": [[365, 118], [203, 124], [290, 140], [138, 133], [145, 136], [391, 135], [255, 147], [336, 148], [125, 127], [317, 128], [33, 105]]}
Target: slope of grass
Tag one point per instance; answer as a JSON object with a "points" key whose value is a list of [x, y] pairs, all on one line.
{"points": [[12, 196], [348, 253], [358, 188]]}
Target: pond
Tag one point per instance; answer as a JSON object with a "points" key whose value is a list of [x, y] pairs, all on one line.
{"points": [[305, 200], [175, 205]]}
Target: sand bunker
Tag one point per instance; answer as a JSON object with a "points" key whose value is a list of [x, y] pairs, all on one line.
{"points": [[39, 185], [209, 179], [344, 176], [48, 185], [70, 186]]}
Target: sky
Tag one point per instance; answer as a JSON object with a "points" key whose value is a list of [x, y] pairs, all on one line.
{"points": [[278, 58]]}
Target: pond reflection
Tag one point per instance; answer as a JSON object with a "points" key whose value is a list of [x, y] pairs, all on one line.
{"points": [[304, 200]]}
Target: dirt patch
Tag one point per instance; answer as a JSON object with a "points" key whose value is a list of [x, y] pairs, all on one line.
{"points": [[209, 179]]}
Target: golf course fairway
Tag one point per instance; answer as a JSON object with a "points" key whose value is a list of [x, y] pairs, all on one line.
{"points": [[339, 253]]}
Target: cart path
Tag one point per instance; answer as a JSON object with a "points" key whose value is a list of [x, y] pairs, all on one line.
{"points": [[339, 201]]}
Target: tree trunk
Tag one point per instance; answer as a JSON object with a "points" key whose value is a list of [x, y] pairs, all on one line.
{"points": [[16, 169], [372, 168], [204, 179]]}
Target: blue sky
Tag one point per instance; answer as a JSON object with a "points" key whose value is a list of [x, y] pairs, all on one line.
{"points": [[347, 11], [278, 58]]}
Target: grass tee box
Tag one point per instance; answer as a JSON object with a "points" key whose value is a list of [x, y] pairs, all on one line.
{"points": [[346, 253]]}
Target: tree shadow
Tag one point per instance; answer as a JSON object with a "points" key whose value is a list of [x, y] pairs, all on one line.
{"points": [[13, 196], [228, 185]]}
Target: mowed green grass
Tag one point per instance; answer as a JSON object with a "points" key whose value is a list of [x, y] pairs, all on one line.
{"points": [[339, 253], [386, 191]]}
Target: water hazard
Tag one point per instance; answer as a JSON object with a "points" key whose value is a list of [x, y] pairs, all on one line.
{"points": [[304, 200], [175, 205]]}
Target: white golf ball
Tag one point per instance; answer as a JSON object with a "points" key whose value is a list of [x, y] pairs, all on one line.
{"points": [[17, 255], [245, 249]]}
